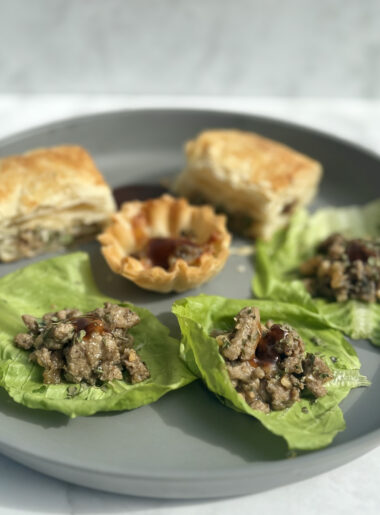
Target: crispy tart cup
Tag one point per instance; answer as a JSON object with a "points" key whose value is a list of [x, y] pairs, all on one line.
{"points": [[165, 217]]}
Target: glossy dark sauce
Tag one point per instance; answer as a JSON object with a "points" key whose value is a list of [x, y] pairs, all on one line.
{"points": [[357, 250], [160, 250], [138, 192], [266, 353], [289, 208], [90, 324]]}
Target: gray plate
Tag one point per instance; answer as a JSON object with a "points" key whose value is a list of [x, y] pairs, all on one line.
{"points": [[187, 445]]}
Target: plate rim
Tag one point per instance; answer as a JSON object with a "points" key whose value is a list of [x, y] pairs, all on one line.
{"points": [[361, 441], [59, 122]]}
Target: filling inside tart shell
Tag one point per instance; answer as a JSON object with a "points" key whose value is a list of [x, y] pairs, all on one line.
{"points": [[164, 252], [166, 244]]}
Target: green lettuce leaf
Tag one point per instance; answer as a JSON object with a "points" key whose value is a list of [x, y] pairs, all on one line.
{"points": [[67, 281], [278, 261], [306, 425]]}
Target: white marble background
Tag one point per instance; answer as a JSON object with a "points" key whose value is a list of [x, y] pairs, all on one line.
{"points": [[348, 490], [291, 48]]}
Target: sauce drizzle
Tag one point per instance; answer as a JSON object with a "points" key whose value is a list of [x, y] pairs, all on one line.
{"points": [[160, 250], [88, 323], [266, 353]]}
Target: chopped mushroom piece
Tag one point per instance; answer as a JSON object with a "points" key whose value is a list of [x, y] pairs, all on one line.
{"points": [[93, 348], [244, 338], [268, 365]]}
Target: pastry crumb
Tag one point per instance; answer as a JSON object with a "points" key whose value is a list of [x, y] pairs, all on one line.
{"points": [[244, 250]]}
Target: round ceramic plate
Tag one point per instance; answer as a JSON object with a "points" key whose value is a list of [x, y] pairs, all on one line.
{"points": [[186, 445]]}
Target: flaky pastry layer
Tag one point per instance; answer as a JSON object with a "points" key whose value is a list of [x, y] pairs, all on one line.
{"points": [[48, 197], [256, 180], [45, 180]]}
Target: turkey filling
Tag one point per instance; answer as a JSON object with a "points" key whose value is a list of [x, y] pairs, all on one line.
{"points": [[268, 364], [344, 269], [91, 348]]}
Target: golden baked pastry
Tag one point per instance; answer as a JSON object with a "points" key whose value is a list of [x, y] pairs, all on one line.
{"points": [[48, 198], [256, 181], [165, 244]]}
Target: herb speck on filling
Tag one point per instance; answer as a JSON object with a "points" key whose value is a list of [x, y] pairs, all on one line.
{"points": [[344, 269], [91, 348], [268, 364]]}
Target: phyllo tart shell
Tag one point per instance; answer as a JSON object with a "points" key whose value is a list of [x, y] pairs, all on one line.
{"points": [[166, 244]]}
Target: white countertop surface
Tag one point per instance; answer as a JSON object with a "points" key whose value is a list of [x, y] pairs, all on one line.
{"points": [[352, 488], [296, 48]]}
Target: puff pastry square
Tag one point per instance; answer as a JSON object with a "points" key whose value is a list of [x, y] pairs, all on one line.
{"points": [[48, 198], [256, 181]]}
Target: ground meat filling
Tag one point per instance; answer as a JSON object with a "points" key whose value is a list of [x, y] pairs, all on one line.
{"points": [[30, 241], [268, 364], [344, 269], [92, 348]]}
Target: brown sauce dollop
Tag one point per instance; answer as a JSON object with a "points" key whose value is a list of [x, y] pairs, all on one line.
{"points": [[266, 353], [160, 250], [357, 250], [88, 323]]}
